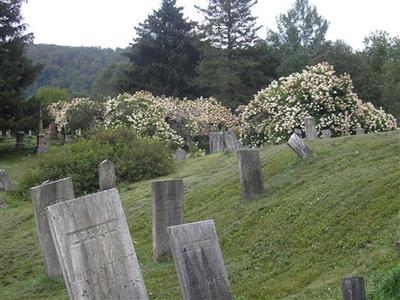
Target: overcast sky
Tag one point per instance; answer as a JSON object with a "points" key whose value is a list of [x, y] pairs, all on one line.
{"points": [[110, 23]]}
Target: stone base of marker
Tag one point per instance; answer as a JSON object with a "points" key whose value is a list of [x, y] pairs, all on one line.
{"points": [[250, 173], [107, 179], [353, 288], [298, 146], [311, 130], [41, 146], [6, 182], [326, 134], [167, 206], [180, 155], [216, 142], [20, 140]]}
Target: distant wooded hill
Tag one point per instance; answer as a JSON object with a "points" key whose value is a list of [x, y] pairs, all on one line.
{"points": [[73, 68]]}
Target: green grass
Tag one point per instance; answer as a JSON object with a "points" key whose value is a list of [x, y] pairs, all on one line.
{"points": [[318, 221]]}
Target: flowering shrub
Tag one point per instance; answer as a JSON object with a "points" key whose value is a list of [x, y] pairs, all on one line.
{"points": [[317, 91]]}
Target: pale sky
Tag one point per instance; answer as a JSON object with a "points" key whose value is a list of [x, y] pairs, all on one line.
{"points": [[110, 23]]}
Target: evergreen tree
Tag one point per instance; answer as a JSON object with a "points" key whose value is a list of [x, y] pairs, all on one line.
{"points": [[164, 54], [16, 70]]}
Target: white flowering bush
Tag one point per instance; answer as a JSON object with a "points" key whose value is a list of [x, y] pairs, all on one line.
{"points": [[317, 91]]}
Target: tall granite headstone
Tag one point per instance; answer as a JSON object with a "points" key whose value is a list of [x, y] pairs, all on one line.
{"points": [[250, 173], [95, 248], [199, 262], [326, 134], [216, 142], [311, 129], [180, 155], [231, 143], [298, 146], [20, 144], [107, 179], [42, 196], [5, 182], [353, 288], [167, 203]]}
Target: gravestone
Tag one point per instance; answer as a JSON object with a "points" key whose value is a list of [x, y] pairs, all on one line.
{"points": [[3, 203], [107, 179], [311, 130], [30, 132], [53, 133], [198, 261], [180, 155], [216, 142], [250, 173], [167, 203], [68, 138], [360, 131], [20, 140], [231, 143], [326, 133], [298, 132], [398, 247], [298, 146], [40, 143], [353, 288], [6, 183], [8, 134], [42, 196], [95, 248]]}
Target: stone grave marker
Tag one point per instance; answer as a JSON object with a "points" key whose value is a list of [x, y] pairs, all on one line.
{"points": [[231, 143], [298, 146], [53, 133], [42, 196], [20, 144], [40, 143], [167, 203], [398, 247], [3, 203], [107, 179], [298, 132], [326, 134], [5, 182], [353, 288], [360, 131], [30, 132], [198, 261], [216, 142], [311, 129], [95, 248], [180, 155], [250, 173]]}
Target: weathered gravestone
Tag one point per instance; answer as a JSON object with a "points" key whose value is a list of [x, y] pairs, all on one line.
{"points": [[40, 143], [6, 183], [95, 248], [326, 134], [231, 143], [216, 142], [3, 204], [398, 247], [298, 146], [53, 133], [107, 179], [311, 129], [250, 173], [360, 131], [167, 203], [20, 144], [180, 155], [298, 132], [42, 196], [198, 261], [353, 288]]}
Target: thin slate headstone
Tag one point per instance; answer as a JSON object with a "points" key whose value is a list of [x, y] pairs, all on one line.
{"points": [[198, 261], [298, 132], [95, 248], [250, 173], [231, 143], [107, 179], [42, 196], [297, 145], [311, 129], [20, 144], [5, 182], [326, 134], [180, 155], [353, 288], [216, 142], [167, 203], [360, 131]]}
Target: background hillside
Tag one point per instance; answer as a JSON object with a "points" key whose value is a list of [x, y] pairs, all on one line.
{"points": [[318, 221]]}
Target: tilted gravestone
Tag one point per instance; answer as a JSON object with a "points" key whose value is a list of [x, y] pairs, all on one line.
{"points": [[250, 173], [298, 146], [360, 131], [95, 248], [167, 203], [6, 183], [180, 155], [107, 179], [216, 142], [198, 261], [42, 196], [353, 288], [231, 143], [298, 132], [326, 134], [20, 144], [311, 129]]}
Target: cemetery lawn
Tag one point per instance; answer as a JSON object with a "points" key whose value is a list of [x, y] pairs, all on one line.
{"points": [[336, 215]]}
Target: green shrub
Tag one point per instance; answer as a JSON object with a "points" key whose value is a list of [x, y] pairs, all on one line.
{"points": [[388, 286]]}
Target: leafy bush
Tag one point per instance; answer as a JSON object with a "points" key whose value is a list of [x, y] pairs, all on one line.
{"points": [[134, 159], [388, 286], [317, 91]]}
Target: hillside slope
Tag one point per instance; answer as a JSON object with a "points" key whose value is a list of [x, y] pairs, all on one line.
{"points": [[317, 222]]}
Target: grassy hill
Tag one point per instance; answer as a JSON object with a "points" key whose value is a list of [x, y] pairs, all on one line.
{"points": [[318, 221]]}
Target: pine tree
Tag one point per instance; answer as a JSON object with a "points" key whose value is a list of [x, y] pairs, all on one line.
{"points": [[164, 54], [16, 70]]}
